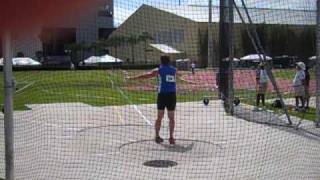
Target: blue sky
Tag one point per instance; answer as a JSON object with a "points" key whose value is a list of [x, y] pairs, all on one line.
{"points": [[124, 8]]}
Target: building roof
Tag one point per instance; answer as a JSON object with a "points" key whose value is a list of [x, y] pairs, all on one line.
{"points": [[164, 48], [258, 15]]}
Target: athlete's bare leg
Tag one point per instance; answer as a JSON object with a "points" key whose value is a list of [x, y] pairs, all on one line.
{"points": [[157, 125], [171, 126]]}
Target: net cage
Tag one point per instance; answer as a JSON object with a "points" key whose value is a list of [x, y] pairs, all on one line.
{"points": [[84, 97]]}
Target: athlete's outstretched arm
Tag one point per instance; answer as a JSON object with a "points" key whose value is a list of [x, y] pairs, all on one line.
{"points": [[180, 76], [147, 75]]}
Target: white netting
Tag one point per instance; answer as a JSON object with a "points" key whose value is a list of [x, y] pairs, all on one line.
{"points": [[84, 114]]}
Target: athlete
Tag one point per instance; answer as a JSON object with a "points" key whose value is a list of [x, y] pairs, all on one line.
{"points": [[166, 95]]}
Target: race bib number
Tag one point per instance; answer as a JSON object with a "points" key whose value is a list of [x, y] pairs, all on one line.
{"points": [[170, 78]]}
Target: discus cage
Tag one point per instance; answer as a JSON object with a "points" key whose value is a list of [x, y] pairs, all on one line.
{"points": [[70, 110]]}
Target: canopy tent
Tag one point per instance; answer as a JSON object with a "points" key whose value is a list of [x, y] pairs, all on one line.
{"points": [[183, 64], [234, 59], [312, 58], [164, 48], [255, 57], [22, 61], [102, 59]]}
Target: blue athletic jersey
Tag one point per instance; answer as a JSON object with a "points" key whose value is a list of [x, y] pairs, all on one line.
{"points": [[167, 79]]}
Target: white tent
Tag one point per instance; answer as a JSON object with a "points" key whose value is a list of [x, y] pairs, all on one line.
{"points": [[102, 59], [254, 57], [22, 61], [312, 58], [234, 59], [92, 60]]}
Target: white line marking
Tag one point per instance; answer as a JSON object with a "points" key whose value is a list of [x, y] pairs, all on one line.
{"points": [[25, 87], [135, 107]]}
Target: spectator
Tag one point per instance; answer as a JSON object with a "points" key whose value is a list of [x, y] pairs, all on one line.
{"points": [[193, 66], [298, 84], [306, 85], [262, 84]]}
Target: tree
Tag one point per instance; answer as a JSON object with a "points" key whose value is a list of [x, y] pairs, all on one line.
{"points": [[277, 42], [247, 45], [73, 50], [84, 47], [203, 45], [45, 38], [96, 47], [293, 43], [262, 34], [114, 42], [145, 36], [307, 43], [132, 40]]}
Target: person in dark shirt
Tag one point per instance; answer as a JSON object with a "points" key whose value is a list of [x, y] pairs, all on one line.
{"points": [[307, 84], [166, 95]]}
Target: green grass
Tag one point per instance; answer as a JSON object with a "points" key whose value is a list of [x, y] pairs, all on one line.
{"points": [[102, 88], [290, 73], [249, 97], [97, 88], [284, 74]]}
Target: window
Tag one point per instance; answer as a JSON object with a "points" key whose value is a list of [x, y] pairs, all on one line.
{"points": [[169, 37], [105, 11]]}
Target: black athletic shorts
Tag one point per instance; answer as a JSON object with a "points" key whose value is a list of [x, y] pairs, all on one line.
{"points": [[167, 100]]}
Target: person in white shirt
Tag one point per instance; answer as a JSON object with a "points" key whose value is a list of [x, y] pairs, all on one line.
{"points": [[298, 84], [262, 80]]}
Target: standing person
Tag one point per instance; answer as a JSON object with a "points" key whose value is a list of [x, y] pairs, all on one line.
{"points": [[193, 67], [306, 85], [166, 95], [298, 84], [262, 84]]}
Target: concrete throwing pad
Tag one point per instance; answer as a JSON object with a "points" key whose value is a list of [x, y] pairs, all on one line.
{"points": [[248, 113], [183, 147], [78, 141]]}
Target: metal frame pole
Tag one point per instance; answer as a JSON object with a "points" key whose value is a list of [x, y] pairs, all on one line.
{"points": [[231, 55], [210, 38], [317, 73], [263, 58], [8, 105]]}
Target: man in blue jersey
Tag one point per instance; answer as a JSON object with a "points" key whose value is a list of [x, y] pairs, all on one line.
{"points": [[166, 95]]}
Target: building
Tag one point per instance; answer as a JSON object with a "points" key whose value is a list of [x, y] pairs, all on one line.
{"points": [[52, 37], [185, 29]]}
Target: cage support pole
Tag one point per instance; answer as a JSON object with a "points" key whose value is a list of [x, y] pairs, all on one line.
{"points": [[317, 73], [210, 38], [231, 56], [8, 105], [268, 68]]}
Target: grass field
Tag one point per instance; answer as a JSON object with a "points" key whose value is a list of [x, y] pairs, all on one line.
{"points": [[290, 73], [103, 88], [97, 88]]}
